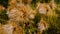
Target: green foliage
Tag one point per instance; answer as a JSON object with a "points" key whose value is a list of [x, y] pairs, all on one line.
{"points": [[3, 16], [51, 30], [30, 27], [45, 1], [54, 24], [57, 1], [42, 1], [35, 1], [33, 4], [37, 18], [26, 31], [4, 3], [33, 25]]}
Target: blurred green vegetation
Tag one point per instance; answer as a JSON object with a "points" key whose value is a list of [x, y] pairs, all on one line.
{"points": [[3, 16], [57, 1], [54, 22], [4, 3], [45, 1]]}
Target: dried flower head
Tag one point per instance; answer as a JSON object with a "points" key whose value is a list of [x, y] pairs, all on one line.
{"points": [[42, 25]]}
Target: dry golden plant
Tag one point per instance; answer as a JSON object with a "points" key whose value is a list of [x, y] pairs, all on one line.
{"points": [[2, 7], [43, 8], [12, 27], [21, 12], [0, 28], [42, 25], [52, 4]]}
